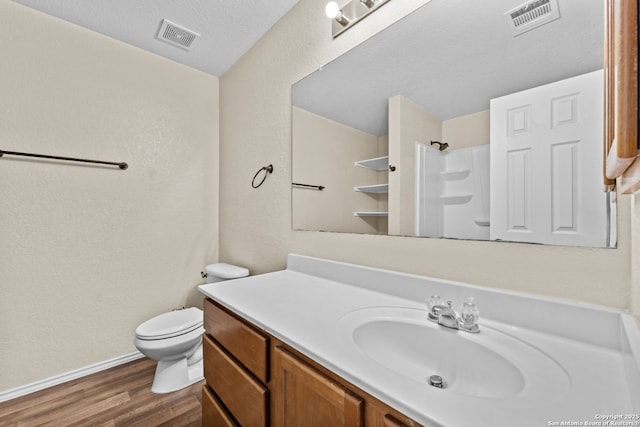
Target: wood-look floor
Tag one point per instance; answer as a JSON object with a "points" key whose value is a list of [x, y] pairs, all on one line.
{"points": [[120, 396]]}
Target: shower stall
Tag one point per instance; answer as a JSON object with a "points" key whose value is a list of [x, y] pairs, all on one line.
{"points": [[452, 192]]}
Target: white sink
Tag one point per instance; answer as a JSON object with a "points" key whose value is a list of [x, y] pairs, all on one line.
{"points": [[542, 360], [493, 364]]}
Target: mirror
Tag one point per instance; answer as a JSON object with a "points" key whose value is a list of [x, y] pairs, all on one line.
{"points": [[413, 131]]}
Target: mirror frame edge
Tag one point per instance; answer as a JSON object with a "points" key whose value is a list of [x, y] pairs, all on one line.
{"points": [[622, 158]]}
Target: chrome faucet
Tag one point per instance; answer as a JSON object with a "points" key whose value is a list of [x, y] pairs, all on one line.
{"points": [[446, 316]]}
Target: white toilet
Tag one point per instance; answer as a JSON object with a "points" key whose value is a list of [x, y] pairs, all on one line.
{"points": [[174, 339]]}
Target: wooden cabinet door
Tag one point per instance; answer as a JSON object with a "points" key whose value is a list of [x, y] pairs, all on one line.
{"points": [[304, 397], [213, 413]]}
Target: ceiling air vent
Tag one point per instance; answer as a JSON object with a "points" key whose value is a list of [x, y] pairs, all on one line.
{"points": [[532, 15], [176, 35]]}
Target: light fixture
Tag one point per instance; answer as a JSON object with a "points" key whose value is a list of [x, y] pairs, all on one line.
{"points": [[333, 11], [343, 18]]}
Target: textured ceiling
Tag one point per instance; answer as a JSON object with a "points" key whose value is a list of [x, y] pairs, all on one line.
{"points": [[451, 57], [227, 28]]}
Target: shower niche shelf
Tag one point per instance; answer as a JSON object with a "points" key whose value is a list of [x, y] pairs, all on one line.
{"points": [[454, 175], [482, 222], [376, 164], [377, 188], [363, 214], [455, 199]]}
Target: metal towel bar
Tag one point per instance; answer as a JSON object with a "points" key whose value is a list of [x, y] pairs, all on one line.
{"points": [[317, 187], [121, 165]]}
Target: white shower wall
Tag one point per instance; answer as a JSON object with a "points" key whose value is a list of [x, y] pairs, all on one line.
{"points": [[452, 192]]}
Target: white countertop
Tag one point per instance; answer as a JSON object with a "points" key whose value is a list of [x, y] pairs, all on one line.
{"points": [[302, 306]]}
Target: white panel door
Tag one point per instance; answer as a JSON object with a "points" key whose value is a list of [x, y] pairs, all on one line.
{"points": [[546, 164]]}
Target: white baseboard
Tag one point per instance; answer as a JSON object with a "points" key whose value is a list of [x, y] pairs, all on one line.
{"points": [[68, 376]]}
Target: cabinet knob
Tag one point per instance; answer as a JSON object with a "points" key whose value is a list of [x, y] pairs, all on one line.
{"points": [[392, 168]]}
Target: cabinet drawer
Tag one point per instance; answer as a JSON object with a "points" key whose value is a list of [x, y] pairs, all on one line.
{"points": [[380, 415], [391, 421], [213, 414], [246, 344], [245, 398]]}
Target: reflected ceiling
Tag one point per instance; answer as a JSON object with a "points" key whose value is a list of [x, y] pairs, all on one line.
{"points": [[451, 57]]}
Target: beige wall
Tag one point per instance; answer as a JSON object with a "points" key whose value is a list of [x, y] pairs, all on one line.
{"points": [[408, 123], [324, 153], [255, 225], [383, 178], [88, 253], [467, 131]]}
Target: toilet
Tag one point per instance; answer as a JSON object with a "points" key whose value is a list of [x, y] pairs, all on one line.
{"points": [[174, 339]]}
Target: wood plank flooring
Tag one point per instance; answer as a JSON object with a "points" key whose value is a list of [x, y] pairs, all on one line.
{"points": [[120, 396]]}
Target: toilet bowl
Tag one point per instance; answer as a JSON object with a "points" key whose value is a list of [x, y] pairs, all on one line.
{"points": [[174, 339]]}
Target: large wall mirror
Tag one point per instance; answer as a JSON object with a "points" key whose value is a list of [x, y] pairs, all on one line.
{"points": [[466, 120]]}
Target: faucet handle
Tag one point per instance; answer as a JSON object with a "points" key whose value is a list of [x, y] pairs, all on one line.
{"points": [[434, 304], [435, 300], [469, 315]]}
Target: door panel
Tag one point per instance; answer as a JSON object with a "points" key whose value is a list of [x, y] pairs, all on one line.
{"points": [[546, 160]]}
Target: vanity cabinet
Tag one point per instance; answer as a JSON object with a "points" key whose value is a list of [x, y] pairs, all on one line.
{"points": [[213, 412], [254, 379], [302, 396], [235, 371]]}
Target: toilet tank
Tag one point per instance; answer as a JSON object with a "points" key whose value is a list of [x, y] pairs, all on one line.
{"points": [[221, 271]]}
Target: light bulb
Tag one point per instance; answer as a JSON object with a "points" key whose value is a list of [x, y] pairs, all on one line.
{"points": [[332, 9]]}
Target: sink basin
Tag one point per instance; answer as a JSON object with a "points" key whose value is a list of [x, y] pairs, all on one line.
{"points": [[492, 364]]}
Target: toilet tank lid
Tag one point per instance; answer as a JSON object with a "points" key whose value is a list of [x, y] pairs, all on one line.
{"points": [[226, 271]]}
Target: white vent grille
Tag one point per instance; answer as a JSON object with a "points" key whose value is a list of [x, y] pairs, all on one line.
{"points": [[532, 15], [176, 35]]}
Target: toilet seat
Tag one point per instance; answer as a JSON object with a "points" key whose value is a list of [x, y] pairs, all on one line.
{"points": [[171, 324]]}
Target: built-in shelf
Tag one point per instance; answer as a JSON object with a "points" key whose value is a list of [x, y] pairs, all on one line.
{"points": [[377, 188], [377, 164], [455, 199], [455, 174], [482, 222], [371, 214]]}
